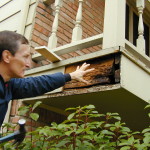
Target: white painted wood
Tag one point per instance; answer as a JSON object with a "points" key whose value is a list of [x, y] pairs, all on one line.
{"points": [[142, 60], [28, 30], [134, 79], [16, 18], [114, 23], [140, 4], [31, 14], [30, 19], [4, 2], [78, 45], [8, 113], [13, 6], [71, 47], [73, 60], [24, 13], [47, 53], [77, 31], [52, 43], [33, 1], [11, 23]]}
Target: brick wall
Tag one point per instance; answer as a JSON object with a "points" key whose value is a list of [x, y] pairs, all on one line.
{"points": [[92, 24], [46, 117]]}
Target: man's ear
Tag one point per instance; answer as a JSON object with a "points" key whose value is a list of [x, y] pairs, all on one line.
{"points": [[6, 56]]}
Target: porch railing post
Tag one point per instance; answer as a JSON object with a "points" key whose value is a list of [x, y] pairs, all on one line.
{"points": [[114, 23], [52, 43], [140, 4], [77, 31]]}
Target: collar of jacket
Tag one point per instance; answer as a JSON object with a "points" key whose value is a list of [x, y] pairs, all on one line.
{"points": [[2, 80]]}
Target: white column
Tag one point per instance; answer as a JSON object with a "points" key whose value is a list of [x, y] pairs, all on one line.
{"points": [[77, 31], [24, 13], [114, 23], [52, 43], [140, 4]]}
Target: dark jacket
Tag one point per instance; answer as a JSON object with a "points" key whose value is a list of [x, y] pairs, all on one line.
{"points": [[19, 88]]}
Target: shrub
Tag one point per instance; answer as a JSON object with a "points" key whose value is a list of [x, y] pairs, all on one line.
{"points": [[84, 129]]}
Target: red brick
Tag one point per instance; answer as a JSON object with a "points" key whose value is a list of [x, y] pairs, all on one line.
{"points": [[74, 54], [68, 34], [41, 11], [44, 19], [41, 5], [38, 27], [85, 51], [13, 108], [36, 33], [45, 32], [39, 22], [15, 119]]}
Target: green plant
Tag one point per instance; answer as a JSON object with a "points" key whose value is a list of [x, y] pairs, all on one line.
{"points": [[84, 128]]}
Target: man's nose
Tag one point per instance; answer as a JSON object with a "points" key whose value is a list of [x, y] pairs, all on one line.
{"points": [[28, 63]]}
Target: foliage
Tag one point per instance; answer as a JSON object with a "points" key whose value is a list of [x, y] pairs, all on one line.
{"points": [[84, 128]]}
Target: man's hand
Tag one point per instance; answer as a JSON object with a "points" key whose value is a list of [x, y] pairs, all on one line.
{"points": [[80, 72]]}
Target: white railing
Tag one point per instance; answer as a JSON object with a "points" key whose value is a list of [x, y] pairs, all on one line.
{"points": [[77, 31], [52, 52], [140, 4], [52, 43], [113, 33]]}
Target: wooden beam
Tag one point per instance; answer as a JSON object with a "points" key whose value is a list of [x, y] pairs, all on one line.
{"points": [[77, 45], [70, 92], [47, 53], [48, 2], [73, 60], [104, 72]]}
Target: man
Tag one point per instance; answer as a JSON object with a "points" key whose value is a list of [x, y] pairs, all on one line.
{"points": [[14, 60]]}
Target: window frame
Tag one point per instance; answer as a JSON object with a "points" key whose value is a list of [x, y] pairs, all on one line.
{"points": [[133, 10]]}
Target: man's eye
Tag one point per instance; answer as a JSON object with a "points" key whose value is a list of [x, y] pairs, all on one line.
{"points": [[26, 56]]}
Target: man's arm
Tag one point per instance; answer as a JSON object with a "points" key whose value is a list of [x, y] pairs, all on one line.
{"points": [[35, 86]]}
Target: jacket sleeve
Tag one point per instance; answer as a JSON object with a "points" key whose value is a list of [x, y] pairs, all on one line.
{"points": [[35, 86]]}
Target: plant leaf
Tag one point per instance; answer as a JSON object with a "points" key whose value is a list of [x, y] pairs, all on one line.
{"points": [[34, 116], [125, 148], [148, 106], [90, 106], [36, 105], [23, 110], [146, 130], [71, 116]]}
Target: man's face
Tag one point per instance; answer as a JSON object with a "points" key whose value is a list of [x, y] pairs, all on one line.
{"points": [[20, 61]]}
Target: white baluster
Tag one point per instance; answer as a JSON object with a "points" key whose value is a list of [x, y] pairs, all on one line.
{"points": [[140, 4], [77, 31], [52, 43]]}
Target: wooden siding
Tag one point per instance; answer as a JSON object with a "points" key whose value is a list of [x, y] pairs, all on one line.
{"points": [[9, 19], [14, 18]]}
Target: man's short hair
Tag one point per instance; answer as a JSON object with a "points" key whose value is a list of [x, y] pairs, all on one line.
{"points": [[10, 41]]}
